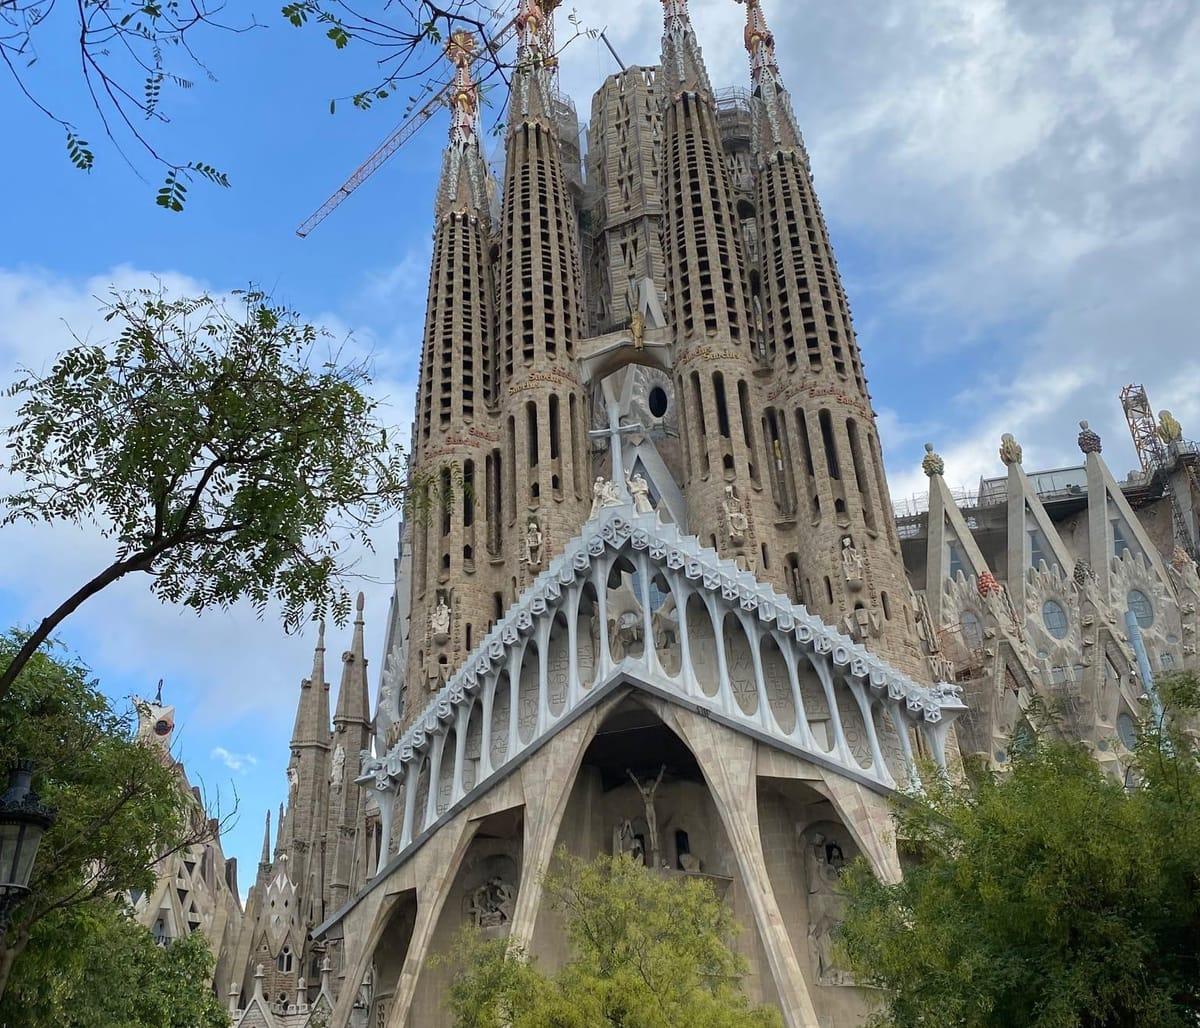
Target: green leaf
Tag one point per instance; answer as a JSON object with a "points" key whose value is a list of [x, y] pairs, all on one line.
{"points": [[79, 152]]}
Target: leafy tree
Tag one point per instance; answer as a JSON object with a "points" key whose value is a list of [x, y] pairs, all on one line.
{"points": [[1051, 896], [95, 967], [120, 807], [645, 952], [131, 55], [222, 457]]}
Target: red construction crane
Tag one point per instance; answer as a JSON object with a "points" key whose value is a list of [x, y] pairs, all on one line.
{"points": [[397, 139]]}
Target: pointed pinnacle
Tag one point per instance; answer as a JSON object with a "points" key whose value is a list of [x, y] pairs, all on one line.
{"points": [[464, 90], [266, 850], [318, 675], [760, 42]]}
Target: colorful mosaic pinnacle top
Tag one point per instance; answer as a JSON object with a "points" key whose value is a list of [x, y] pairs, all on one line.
{"points": [[464, 90], [760, 43]]}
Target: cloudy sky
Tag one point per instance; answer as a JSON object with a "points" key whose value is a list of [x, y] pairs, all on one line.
{"points": [[1011, 185]]}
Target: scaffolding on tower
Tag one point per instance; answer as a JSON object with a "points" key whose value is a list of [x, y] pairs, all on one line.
{"points": [[1157, 459]]}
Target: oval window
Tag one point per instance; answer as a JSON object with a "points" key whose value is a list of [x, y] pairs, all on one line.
{"points": [[1055, 619], [658, 402]]}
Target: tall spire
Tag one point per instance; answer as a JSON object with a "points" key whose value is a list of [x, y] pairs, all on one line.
{"points": [[683, 64], [760, 43], [280, 832], [464, 90], [266, 850], [312, 712], [465, 186], [532, 86], [351, 735], [535, 29], [828, 450], [777, 126], [353, 702]]}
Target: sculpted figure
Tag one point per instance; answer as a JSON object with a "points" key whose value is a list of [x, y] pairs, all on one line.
{"points": [[1010, 450], [604, 494], [825, 906], [736, 521], [337, 768], [637, 329], [648, 790], [533, 544], [1169, 430], [639, 491], [439, 620], [491, 905], [853, 563]]}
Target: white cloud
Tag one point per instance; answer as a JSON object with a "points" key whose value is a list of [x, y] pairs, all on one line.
{"points": [[239, 763], [1018, 183]]}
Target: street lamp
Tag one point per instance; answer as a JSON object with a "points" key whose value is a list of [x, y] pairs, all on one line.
{"points": [[23, 822]]}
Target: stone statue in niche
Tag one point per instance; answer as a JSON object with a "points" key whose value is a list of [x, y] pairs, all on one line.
{"points": [[648, 790], [293, 777], [439, 621], [639, 492], [533, 544], [854, 564], [737, 524], [491, 905], [604, 494], [337, 768], [825, 906]]}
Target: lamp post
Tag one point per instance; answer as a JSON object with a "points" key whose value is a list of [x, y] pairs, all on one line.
{"points": [[23, 821]]}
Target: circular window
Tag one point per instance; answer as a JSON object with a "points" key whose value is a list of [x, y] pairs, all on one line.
{"points": [[1055, 619], [657, 401], [1127, 731], [1142, 608], [972, 630], [162, 727]]}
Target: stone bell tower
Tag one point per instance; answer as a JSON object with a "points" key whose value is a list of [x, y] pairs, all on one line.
{"points": [[457, 531], [840, 554], [546, 491], [710, 308]]}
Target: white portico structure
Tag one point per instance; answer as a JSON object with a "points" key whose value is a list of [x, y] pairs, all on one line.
{"points": [[638, 623]]}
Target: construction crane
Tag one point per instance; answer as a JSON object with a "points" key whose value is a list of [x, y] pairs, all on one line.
{"points": [[1155, 457], [406, 130]]}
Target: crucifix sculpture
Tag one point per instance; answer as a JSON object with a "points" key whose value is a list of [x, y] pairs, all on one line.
{"points": [[613, 434], [647, 790]]}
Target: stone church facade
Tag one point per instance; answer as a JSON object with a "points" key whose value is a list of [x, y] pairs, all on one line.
{"points": [[655, 598]]}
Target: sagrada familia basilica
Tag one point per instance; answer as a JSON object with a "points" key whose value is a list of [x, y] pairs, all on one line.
{"points": [[660, 601]]}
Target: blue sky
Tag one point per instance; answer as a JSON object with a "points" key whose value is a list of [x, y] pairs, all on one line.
{"points": [[1011, 187]]}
